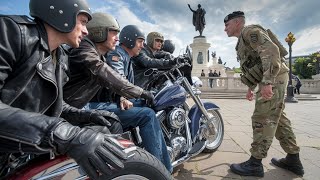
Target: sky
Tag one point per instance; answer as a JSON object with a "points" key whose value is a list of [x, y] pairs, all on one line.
{"points": [[173, 19]]}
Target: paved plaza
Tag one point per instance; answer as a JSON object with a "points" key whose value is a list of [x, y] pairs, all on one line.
{"points": [[235, 147]]}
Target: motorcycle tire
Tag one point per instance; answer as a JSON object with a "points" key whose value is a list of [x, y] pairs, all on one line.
{"points": [[215, 144], [141, 166]]}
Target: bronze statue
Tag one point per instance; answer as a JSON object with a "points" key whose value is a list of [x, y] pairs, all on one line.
{"points": [[198, 19]]}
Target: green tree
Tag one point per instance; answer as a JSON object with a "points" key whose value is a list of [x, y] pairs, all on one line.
{"points": [[237, 70], [304, 68]]}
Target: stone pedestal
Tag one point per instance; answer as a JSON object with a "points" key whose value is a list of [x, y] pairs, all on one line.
{"points": [[199, 46]]}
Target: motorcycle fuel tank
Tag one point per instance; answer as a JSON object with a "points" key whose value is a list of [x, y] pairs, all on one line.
{"points": [[169, 96]]}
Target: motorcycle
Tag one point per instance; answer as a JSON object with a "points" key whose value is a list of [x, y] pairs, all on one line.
{"points": [[188, 130], [140, 165]]}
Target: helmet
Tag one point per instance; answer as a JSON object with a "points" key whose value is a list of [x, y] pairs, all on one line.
{"points": [[129, 34], [168, 46], [153, 36], [60, 14], [100, 25]]}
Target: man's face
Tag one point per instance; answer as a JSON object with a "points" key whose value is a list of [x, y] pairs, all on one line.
{"points": [[79, 32], [112, 40], [157, 44], [137, 48], [231, 27]]}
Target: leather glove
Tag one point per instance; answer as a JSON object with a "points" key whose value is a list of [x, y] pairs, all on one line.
{"points": [[101, 117], [92, 150], [148, 96], [80, 117], [179, 60]]}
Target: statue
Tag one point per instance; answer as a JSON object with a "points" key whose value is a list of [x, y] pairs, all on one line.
{"points": [[219, 60], [198, 19], [200, 58], [213, 54]]}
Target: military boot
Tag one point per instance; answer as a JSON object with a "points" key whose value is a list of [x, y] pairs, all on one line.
{"points": [[252, 167], [291, 162]]}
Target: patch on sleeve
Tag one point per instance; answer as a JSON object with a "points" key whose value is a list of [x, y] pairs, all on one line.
{"points": [[115, 58], [254, 38]]}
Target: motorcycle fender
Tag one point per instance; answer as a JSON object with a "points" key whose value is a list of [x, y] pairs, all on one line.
{"points": [[195, 114]]}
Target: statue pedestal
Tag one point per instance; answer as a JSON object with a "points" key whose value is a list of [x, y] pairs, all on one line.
{"points": [[213, 65], [199, 49]]}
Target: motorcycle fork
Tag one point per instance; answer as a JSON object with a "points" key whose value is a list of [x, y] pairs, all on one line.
{"points": [[197, 101]]}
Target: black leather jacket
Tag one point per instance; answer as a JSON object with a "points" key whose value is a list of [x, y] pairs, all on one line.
{"points": [[89, 72], [30, 84], [146, 60]]}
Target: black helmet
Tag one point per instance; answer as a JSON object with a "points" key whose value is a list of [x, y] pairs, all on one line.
{"points": [[100, 25], [60, 14], [168, 46], [129, 34], [152, 36]]}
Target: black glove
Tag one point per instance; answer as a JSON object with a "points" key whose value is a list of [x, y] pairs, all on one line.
{"points": [[148, 96], [92, 150], [80, 117], [101, 117], [179, 60]]}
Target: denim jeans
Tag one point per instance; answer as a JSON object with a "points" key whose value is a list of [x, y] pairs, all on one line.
{"points": [[150, 130]]}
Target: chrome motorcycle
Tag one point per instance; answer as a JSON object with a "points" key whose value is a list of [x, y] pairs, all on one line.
{"points": [[189, 127]]}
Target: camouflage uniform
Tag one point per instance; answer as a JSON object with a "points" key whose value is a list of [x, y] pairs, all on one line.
{"points": [[261, 63]]}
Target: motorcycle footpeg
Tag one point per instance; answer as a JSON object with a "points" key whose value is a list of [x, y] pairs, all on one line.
{"points": [[197, 148]]}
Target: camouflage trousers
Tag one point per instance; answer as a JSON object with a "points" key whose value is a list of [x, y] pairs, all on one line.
{"points": [[269, 120]]}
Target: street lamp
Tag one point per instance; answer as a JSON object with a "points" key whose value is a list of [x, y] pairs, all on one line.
{"points": [[290, 39]]}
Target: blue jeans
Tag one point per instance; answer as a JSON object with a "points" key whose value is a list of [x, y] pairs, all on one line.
{"points": [[150, 130]]}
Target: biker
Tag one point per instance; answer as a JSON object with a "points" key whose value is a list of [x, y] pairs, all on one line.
{"points": [[91, 76], [33, 69], [151, 57], [168, 46], [130, 44]]}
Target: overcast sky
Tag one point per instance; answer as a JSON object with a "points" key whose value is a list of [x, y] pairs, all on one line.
{"points": [[174, 20]]}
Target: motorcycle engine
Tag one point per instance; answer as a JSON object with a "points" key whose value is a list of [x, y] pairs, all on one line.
{"points": [[176, 118], [178, 145]]}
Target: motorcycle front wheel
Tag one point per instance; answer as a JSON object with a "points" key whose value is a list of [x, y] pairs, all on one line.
{"points": [[214, 143]]}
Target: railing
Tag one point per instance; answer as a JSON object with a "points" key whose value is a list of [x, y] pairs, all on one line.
{"points": [[234, 84]]}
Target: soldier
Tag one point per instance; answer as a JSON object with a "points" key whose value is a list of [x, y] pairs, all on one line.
{"points": [[261, 61]]}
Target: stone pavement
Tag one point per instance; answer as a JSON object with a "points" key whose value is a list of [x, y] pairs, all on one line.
{"points": [[235, 147]]}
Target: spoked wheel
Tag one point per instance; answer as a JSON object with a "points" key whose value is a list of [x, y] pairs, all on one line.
{"points": [[215, 141]]}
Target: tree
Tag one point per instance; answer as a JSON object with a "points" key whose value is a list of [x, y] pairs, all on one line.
{"points": [[315, 59], [304, 68]]}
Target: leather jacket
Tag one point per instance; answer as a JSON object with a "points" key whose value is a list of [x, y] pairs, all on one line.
{"points": [[89, 73], [146, 60], [30, 84]]}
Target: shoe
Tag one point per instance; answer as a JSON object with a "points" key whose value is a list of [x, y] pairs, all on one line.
{"points": [[252, 167], [291, 162]]}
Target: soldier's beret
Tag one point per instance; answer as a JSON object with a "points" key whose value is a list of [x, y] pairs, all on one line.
{"points": [[233, 15]]}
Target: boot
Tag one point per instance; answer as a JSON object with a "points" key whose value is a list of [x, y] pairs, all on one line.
{"points": [[252, 167], [291, 162]]}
